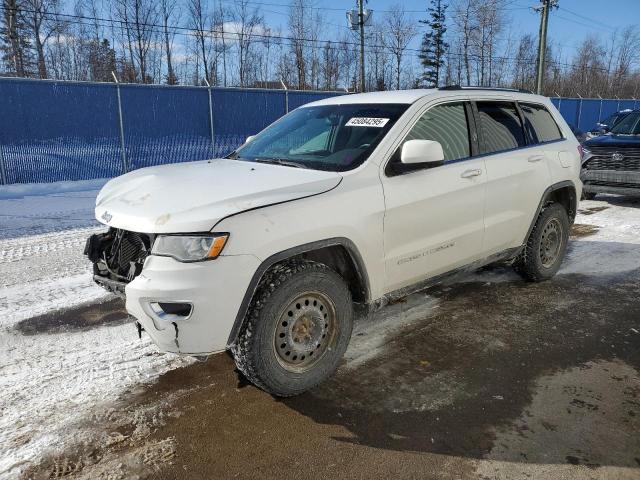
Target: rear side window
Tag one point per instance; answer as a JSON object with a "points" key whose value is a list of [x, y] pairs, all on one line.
{"points": [[446, 124], [539, 124], [500, 126]]}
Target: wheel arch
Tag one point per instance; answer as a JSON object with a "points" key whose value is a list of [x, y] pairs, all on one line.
{"points": [[563, 193], [339, 253]]}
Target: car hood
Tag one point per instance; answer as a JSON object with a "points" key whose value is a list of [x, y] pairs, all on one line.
{"points": [[610, 140], [194, 196]]}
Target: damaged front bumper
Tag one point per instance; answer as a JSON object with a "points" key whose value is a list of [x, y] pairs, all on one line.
{"points": [[190, 308]]}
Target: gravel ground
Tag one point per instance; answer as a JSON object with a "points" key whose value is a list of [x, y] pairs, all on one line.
{"points": [[484, 377]]}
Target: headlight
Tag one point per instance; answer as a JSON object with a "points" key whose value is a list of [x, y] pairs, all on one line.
{"points": [[190, 248]]}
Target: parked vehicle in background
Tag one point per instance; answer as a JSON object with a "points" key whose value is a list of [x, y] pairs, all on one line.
{"points": [[611, 162], [350, 201], [605, 126]]}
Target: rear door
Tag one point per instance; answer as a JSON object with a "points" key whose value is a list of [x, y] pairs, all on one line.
{"points": [[434, 216], [517, 174]]}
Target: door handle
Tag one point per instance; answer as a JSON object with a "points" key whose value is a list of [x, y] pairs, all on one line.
{"points": [[535, 158], [471, 173]]}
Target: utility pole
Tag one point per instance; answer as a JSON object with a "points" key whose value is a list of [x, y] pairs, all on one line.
{"points": [[542, 40], [358, 19], [361, 27]]}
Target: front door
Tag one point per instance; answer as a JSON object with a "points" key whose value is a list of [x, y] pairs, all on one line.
{"points": [[434, 221]]}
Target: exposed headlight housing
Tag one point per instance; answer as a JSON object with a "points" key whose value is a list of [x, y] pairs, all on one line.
{"points": [[190, 248]]}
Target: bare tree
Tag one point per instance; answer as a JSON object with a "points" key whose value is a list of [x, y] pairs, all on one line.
{"points": [[300, 13], [348, 62], [377, 59], [489, 23], [400, 32], [170, 17], [626, 57], [144, 16], [248, 22], [199, 23], [465, 25], [524, 72], [40, 18], [221, 48]]}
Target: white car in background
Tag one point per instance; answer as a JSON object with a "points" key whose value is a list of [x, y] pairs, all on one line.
{"points": [[352, 200]]}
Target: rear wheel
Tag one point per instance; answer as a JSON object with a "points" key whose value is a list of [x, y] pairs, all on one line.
{"points": [[297, 328], [588, 195], [546, 245]]}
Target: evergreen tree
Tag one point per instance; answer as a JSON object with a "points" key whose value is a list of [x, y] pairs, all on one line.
{"points": [[433, 48], [102, 61], [15, 47]]}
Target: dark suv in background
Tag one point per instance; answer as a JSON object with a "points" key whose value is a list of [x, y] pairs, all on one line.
{"points": [[611, 162], [605, 126]]}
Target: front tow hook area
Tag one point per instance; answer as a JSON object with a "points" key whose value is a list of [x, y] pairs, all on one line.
{"points": [[140, 329], [175, 326]]}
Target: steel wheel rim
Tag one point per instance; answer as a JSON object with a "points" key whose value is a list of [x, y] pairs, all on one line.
{"points": [[305, 331], [550, 242]]}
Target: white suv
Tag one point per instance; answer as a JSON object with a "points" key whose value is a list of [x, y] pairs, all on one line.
{"points": [[355, 199]]}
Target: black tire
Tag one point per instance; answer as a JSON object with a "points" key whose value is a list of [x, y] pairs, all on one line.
{"points": [[535, 263], [588, 195], [259, 353]]}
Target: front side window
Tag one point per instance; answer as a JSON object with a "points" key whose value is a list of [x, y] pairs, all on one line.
{"points": [[539, 123], [500, 126], [448, 125], [327, 137]]}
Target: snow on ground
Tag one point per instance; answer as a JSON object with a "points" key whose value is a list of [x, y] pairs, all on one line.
{"points": [[51, 382], [40, 208], [613, 248]]}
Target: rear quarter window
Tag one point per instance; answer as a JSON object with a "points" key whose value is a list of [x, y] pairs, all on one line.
{"points": [[539, 124]]}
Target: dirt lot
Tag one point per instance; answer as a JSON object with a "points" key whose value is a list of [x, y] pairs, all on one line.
{"points": [[485, 377]]}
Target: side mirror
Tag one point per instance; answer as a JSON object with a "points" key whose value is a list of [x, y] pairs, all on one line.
{"points": [[421, 151], [249, 138]]}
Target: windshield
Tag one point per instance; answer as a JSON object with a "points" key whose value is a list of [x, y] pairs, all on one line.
{"points": [[629, 125], [327, 137]]}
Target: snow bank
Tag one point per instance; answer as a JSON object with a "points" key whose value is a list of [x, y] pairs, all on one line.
{"points": [[21, 190]]}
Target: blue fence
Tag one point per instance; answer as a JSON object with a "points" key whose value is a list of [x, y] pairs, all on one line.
{"points": [[52, 131], [583, 113]]}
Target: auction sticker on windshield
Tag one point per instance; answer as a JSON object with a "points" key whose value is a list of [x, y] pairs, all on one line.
{"points": [[367, 122]]}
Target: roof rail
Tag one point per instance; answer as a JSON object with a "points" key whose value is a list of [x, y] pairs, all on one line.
{"points": [[497, 89]]}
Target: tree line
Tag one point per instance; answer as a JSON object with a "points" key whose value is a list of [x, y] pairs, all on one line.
{"points": [[231, 43]]}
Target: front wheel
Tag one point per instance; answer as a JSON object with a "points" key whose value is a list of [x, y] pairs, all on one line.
{"points": [[546, 245], [297, 328]]}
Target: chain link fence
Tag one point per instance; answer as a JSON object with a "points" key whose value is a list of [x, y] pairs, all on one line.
{"points": [[53, 131]]}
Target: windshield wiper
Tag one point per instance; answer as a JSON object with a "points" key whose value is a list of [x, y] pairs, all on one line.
{"points": [[280, 161]]}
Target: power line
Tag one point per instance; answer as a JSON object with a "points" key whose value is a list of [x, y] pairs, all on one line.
{"points": [[593, 20], [315, 43]]}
